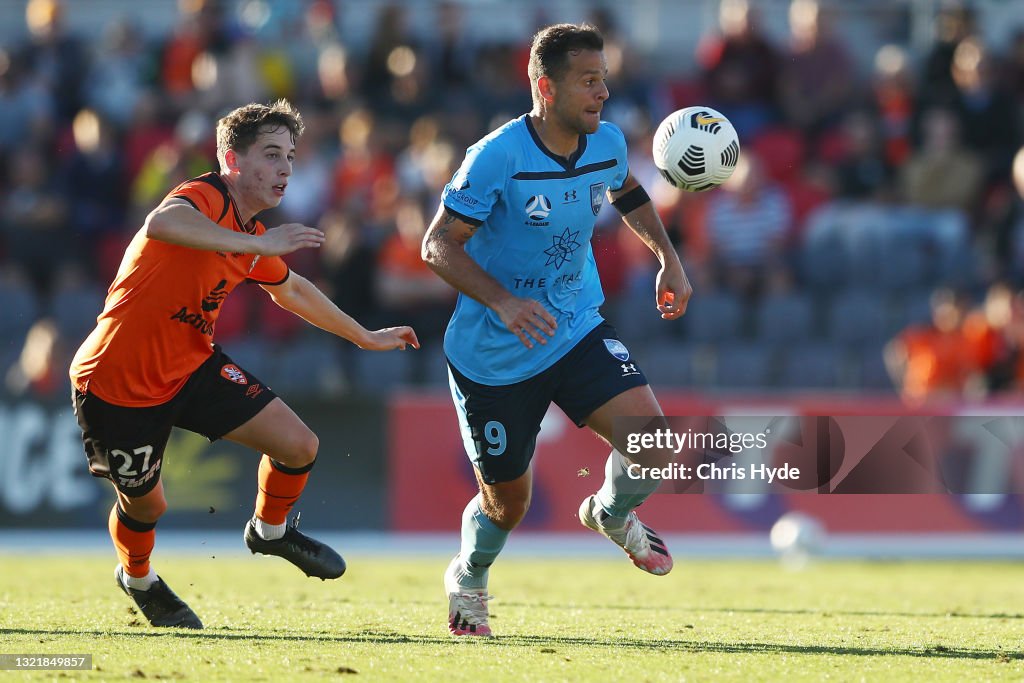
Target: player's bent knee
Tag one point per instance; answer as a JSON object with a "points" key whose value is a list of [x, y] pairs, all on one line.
{"points": [[301, 450], [146, 509]]}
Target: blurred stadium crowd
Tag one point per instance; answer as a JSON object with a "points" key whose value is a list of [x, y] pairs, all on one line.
{"points": [[871, 239]]}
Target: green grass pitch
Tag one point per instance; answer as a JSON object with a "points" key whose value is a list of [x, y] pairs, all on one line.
{"points": [[555, 619]]}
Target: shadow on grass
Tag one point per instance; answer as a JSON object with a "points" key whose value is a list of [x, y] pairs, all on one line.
{"points": [[656, 645], [753, 610]]}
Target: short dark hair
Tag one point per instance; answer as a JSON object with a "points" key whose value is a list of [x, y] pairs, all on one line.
{"points": [[240, 128], [549, 53]]}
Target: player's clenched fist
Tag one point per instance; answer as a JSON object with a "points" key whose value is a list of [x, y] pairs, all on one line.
{"points": [[289, 237], [527, 319]]}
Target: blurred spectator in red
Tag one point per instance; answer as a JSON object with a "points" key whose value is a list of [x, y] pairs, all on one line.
{"points": [[892, 96], [817, 80], [740, 68], [150, 126], [933, 361], [748, 222], [943, 174]]}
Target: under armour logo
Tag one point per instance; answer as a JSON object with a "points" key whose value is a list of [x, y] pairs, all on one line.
{"points": [[570, 196], [629, 369]]}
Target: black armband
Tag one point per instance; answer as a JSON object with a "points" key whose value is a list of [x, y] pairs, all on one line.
{"points": [[632, 200]]}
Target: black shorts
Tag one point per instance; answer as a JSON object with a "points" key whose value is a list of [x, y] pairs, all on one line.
{"points": [[500, 423], [126, 445]]}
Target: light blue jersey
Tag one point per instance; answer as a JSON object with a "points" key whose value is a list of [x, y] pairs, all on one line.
{"points": [[536, 213]]}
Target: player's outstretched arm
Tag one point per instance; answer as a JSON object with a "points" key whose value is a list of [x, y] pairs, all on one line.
{"points": [[444, 251], [673, 289], [178, 222], [301, 297]]}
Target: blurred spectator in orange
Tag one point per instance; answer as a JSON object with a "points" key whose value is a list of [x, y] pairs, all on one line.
{"points": [[406, 288], [202, 27], [932, 362], [817, 79], [748, 221], [361, 164], [740, 68]]}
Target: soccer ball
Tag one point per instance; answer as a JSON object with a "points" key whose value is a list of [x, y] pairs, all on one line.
{"points": [[696, 149], [796, 537]]}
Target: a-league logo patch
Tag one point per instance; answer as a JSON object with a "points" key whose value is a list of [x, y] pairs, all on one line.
{"points": [[617, 349], [596, 197], [233, 373]]}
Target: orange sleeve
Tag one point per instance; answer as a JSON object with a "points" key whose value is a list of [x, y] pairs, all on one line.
{"points": [[269, 270], [206, 199]]}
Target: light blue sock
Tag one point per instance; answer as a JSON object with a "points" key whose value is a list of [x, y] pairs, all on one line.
{"points": [[481, 543], [620, 493]]}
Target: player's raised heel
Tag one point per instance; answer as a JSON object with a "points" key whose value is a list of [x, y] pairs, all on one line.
{"points": [[311, 556], [640, 542], [467, 607], [159, 604]]}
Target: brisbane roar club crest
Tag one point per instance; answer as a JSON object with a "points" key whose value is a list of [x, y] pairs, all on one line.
{"points": [[233, 373]]}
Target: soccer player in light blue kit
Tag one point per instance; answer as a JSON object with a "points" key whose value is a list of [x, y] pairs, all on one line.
{"points": [[512, 234]]}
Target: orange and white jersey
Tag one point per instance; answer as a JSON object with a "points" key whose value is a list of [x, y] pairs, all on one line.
{"points": [[158, 321]]}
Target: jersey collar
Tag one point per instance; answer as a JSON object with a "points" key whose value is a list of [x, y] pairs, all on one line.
{"points": [[567, 163]]}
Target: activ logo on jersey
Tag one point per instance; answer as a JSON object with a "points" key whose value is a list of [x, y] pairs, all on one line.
{"points": [[538, 208]]}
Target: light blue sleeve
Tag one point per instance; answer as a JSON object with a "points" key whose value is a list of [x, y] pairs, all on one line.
{"points": [[478, 184], [618, 143]]}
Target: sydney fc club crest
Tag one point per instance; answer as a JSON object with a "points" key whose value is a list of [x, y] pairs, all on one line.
{"points": [[596, 197], [617, 349]]}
